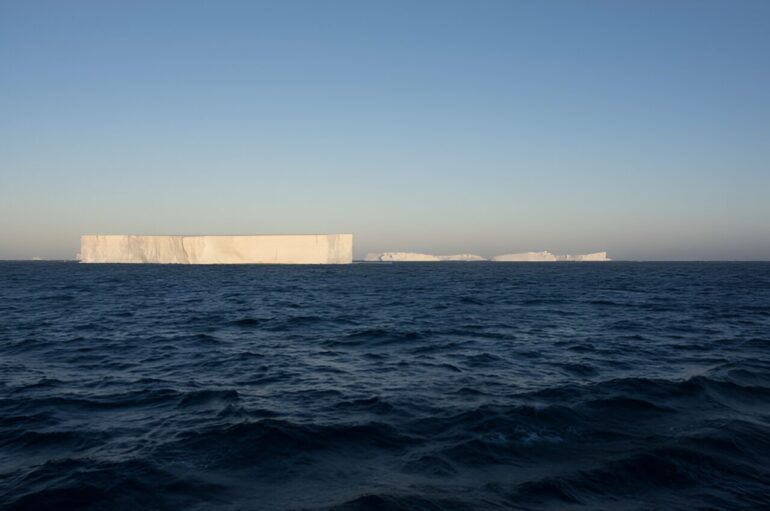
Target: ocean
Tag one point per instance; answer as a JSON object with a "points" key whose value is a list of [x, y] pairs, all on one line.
{"points": [[414, 386]]}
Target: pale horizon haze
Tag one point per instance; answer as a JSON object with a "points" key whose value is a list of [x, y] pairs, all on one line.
{"points": [[486, 127]]}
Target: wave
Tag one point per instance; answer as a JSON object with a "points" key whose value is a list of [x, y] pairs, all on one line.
{"points": [[132, 484], [385, 387], [276, 445]]}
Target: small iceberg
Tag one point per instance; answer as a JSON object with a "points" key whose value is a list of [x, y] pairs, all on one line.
{"points": [[415, 257], [545, 256]]}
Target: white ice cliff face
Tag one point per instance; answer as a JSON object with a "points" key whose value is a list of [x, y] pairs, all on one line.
{"points": [[279, 249]]}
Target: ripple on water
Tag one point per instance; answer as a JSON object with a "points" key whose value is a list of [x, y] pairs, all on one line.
{"points": [[448, 386]]}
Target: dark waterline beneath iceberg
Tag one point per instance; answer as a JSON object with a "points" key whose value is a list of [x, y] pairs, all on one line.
{"points": [[377, 386]]}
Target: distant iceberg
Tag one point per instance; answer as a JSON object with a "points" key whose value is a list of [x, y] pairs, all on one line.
{"points": [[526, 257], [595, 256], [546, 256], [532, 257], [462, 257], [414, 257]]}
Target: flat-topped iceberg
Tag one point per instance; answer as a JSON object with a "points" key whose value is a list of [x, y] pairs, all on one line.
{"points": [[259, 249], [415, 257], [595, 256], [526, 257], [401, 256], [546, 256], [532, 257], [462, 257]]}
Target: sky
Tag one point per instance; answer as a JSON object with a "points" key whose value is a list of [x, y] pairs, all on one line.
{"points": [[489, 127]]}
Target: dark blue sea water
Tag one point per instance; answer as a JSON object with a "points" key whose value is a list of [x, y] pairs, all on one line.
{"points": [[385, 386]]}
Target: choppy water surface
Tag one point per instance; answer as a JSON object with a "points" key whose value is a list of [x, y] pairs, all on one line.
{"points": [[376, 386]]}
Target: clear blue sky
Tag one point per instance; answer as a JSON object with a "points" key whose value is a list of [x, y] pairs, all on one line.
{"points": [[641, 128]]}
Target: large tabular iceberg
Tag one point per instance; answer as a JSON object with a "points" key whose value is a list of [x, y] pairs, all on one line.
{"points": [[284, 249]]}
